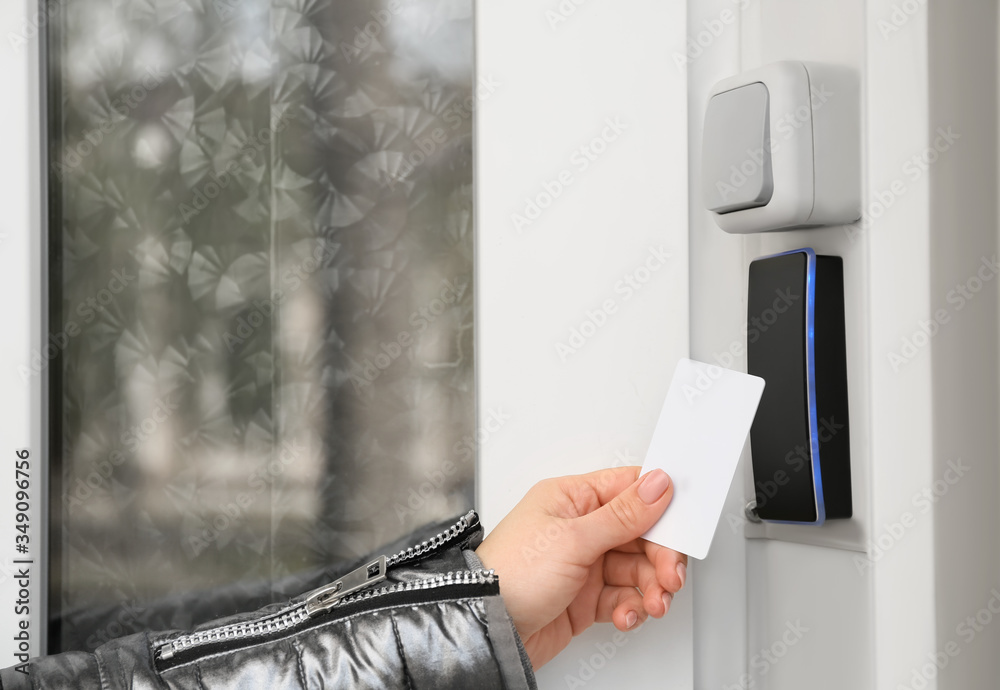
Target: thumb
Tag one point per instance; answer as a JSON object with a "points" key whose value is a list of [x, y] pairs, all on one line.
{"points": [[628, 515]]}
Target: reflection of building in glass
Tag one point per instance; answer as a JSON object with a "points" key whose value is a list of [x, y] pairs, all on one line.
{"points": [[262, 214]]}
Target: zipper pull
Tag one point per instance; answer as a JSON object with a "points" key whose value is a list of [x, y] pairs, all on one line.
{"points": [[328, 596]]}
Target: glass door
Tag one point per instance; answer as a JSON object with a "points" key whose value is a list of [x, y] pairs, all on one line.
{"points": [[261, 292]]}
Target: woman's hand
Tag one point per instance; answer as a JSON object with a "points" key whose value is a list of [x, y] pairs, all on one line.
{"points": [[569, 555]]}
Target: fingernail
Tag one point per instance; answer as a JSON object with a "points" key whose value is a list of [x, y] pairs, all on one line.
{"points": [[630, 618], [682, 572], [667, 599], [653, 486]]}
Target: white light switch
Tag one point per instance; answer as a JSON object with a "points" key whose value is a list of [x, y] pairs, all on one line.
{"points": [[737, 157], [782, 148]]}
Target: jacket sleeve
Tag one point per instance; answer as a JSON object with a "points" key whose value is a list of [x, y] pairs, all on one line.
{"points": [[429, 616]]}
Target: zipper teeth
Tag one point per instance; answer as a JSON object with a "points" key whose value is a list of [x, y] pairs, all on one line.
{"points": [[434, 542], [282, 621], [293, 615], [456, 577]]}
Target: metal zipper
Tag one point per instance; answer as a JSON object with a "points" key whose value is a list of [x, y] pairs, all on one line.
{"points": [[288, 619], [457, 577], [346, 590], [470, 519]]}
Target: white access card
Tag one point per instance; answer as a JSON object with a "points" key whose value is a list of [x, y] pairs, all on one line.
{"points": [[698, 441]]}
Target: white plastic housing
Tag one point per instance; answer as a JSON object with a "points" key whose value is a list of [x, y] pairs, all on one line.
{"points": [[812, 150]]}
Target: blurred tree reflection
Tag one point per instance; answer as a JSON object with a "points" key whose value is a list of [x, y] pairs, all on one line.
{"points": [[265, 276]]}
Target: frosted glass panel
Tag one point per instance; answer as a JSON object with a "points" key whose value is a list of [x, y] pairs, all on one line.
{"points": [[261, 278]]}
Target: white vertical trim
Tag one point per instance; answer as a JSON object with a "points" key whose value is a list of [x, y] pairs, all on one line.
{"points": [[717, 314], [22, 272], [901, 435]]}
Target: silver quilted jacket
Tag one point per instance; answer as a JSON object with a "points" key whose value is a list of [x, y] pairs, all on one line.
{"points": [[428, 616]]}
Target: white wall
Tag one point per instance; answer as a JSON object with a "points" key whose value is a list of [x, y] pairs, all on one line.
{"points": [[557, 87]]}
